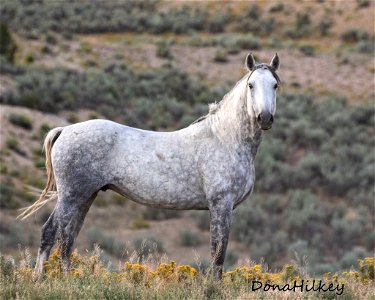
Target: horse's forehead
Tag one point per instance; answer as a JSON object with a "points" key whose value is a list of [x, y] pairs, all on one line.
{"points": [[262, 74]]}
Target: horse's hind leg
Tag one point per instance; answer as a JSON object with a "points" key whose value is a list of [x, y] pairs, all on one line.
{"points": [[71, 219], [48, 239]]}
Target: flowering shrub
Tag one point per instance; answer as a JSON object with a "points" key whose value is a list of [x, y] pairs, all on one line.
{"points": [[171, 272], [90, 279], [365, 275]]}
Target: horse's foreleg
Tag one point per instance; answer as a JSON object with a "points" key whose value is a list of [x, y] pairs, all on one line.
{"points": [[221, 215]]}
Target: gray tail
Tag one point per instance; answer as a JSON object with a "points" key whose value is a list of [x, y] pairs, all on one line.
{"points": [[48, 193]]}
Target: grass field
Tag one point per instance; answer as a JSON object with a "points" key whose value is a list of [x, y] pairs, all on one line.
{"points": [[89, 278]]}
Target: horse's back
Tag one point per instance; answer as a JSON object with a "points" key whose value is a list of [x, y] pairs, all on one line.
{"points": [[154, 168]]}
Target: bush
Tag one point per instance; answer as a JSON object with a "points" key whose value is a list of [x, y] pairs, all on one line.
{"points": [[188, 238], [9, 194], [163, 49], [3, 167], [139, 223], [231, 258], [51, 39], [325, 25], [21, 120], [248, 43], [39, 162], [354, 36], [277, 7], [98, 17], [301, 27], [365, 47], [6, 266], [350, 259], [12, 143], [308, 50], [202, 219], [16, 236], [29, 58], [221, 56], [217, 22], [156, 214], [363, 3], [7, 45], [43, 130], [107, 242], [57, 89], [146, 246]]}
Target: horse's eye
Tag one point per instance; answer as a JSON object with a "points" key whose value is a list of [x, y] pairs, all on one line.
{"points": [[251, 86], [275, 86]]}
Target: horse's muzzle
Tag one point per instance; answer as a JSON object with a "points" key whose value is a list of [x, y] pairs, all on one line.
{"points": [[265, 120]]}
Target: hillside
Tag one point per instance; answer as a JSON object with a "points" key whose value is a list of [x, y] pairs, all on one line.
{"points": [[315, 169]]}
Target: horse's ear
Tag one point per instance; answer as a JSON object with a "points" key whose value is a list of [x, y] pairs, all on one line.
{"points": [[250, 62], [275, 62]]}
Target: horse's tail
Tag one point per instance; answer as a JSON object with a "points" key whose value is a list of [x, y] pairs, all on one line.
{"points": [[47, 194]]}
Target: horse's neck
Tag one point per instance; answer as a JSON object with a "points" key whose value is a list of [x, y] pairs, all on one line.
{"points": [[232, 123]]}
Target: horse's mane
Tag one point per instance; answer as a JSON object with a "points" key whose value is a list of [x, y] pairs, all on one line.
{"points": [[214, 107]]}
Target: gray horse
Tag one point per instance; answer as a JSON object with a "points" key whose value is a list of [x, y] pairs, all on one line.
{"points": [[208, 165]]}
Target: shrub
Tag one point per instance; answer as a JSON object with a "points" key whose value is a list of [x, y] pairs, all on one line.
{"points": [[9, 194], [51, 39], [217, 22], [7, 45], [202, 218], [6, 266], [29, 58], [12, 143], [163, 49], [43, 130], [189, 238], [231, 258], [301, 27], [248, 42], [46, 50], [250, 20], [155, 214], [325, 25], [72, 118], [354, 36], [277, 7], [365, 47], [16, 236], [139, 223], [39, 162], [84, 48], [363, 3], [221, 56], [3, 167], [146, 246], [308, 50], [21, 120], [350, 259], [107, 242]]}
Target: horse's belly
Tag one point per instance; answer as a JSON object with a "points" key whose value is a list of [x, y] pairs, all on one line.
{"points": [[162, 187], [164, 196]]}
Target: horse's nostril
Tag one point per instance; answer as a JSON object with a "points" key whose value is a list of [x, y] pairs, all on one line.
{"points": [[259, 118], [271, 119]]}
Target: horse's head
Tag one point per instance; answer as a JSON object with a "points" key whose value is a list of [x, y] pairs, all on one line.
{"points": [[262, 85]]}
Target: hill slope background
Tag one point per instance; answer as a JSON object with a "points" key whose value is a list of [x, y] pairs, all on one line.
{"points": [[157, 66]]}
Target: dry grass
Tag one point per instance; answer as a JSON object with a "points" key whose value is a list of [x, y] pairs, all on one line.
{"points": [[90, 279]]}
